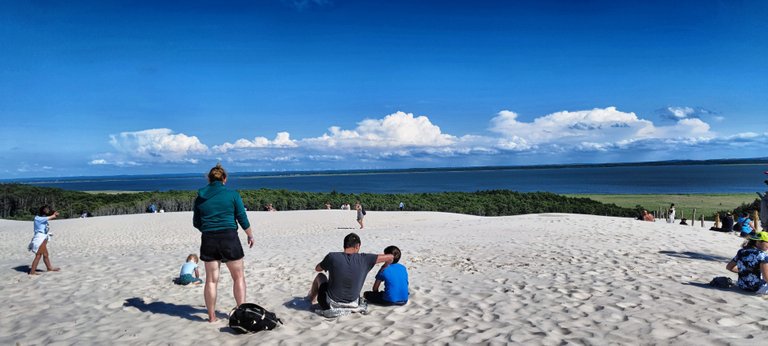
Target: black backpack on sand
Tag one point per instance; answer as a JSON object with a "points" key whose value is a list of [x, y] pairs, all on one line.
{"points": [[251, 318]]}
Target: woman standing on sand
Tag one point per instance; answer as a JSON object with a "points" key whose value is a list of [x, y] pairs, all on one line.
{"points": [[217, 212], [671, 214], [360, 213], [39, 243]]}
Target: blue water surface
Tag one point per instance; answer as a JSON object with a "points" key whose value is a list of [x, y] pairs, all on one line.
{"points": [[671, 179]]}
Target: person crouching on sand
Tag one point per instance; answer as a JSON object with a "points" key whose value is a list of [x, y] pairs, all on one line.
{"points": [[751, 263], [187, 269], [39, 243]]}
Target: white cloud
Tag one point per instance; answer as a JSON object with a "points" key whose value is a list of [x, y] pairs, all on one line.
{"points": [[680, 112], [596, 125], [397, 130], [405, 138], [158, 145], [282, 140], [599, 129]]}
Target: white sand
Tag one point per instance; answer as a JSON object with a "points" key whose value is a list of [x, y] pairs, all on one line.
{"points": [[531, 279]]}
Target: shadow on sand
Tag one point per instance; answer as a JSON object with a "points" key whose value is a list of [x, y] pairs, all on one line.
{"points": [[182, 311], [695, 255], [25, 269], [298, 303], [733, 289]]}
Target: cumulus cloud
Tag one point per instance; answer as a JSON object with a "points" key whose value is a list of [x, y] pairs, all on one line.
{"points": [[598, 129], [396, 130], [596, 125], [282, 140], [158, 145], [407, 139]]}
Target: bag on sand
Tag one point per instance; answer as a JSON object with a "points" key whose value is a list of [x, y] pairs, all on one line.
{"points": [[251, 318], [721, 282]]}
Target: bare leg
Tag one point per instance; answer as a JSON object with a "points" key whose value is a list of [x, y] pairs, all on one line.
{"points": [[38, 255], [361, 223], [237, 270], [211, 283], [313, 291], [47, 258]]}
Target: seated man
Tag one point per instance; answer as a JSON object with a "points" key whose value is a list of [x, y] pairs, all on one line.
{"points": [[346, 275], [395, 278], [727, 224]]}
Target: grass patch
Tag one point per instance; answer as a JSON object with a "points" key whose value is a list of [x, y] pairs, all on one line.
{"points": [[707, 204]]}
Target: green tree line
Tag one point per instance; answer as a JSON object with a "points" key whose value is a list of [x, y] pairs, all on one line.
{"points": [[20, 201]]}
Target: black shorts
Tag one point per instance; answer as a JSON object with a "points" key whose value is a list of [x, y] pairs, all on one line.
{"points": [[322, 296], [220, 246], [377, 298]]}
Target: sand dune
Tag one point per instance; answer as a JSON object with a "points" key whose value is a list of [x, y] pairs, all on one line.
{"points": [[531, 279]]}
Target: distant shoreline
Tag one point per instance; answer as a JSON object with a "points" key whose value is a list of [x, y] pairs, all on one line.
{"points": [[351, 172]]}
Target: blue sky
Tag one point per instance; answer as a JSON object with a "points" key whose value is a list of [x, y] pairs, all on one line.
{"points": [[137, 87]]}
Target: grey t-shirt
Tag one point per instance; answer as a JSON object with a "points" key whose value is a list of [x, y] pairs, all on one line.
{"points": [[346, 274]]}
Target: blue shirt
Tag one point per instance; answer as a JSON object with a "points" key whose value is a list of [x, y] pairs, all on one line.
{"points": [[395, 278], [188, 268], [41, 224], [746, 225], [748, 261]]}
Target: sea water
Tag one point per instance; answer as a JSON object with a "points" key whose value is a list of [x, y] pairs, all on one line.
{"points": [[662, 179]]}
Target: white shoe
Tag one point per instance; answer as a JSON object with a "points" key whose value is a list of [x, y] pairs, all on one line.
{"points": [[763, 290]]}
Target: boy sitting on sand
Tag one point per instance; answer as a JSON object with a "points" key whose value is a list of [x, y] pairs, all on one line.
{"points": [[395, 278], [187, 269]]}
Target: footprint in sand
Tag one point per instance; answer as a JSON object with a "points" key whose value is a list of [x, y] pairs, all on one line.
{"points": [[116, 305], [728, 322], [581, 295]]}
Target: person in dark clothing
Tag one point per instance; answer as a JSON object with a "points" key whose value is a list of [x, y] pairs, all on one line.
{"points": [[217, 213], [346, 274]]}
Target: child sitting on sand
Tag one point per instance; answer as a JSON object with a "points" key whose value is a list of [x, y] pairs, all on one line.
{"points": [[187, 269], [39, 243], [395, 278]]}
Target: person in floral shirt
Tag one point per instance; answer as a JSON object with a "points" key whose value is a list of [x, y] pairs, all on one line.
{"points": [[751, 263]]}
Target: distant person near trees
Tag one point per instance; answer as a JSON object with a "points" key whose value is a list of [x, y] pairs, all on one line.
{"points": [[360, 213], [671, 218], [402, 206], [648, 216], [727, 224], [744, 225]]}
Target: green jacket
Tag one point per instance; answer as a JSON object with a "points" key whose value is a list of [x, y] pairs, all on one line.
{"points": [[218, 208]]}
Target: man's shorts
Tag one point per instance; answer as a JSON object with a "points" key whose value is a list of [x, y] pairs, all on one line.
{"points": [[221, 246]]}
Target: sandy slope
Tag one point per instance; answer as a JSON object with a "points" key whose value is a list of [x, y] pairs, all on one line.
{"points": [[531, 279]]}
